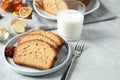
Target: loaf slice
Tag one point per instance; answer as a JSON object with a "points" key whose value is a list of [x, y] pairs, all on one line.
{"points": [[50, 6], [37, 36], [39, 4], [56, 38], [35, 53]]}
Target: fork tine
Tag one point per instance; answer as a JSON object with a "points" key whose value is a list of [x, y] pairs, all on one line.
{"points": [[80, 45], [76, 47]]}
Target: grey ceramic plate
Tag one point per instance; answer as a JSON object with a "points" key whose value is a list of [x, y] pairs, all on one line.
{"points": [[63, 57], [94, 5]]}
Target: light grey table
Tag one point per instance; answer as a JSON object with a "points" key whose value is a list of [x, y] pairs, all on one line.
{"points": [[100, 60]]}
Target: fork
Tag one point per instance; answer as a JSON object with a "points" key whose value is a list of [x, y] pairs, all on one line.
{"points": [[76, 52]]}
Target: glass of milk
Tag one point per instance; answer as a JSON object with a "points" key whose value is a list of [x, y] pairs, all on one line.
{"points": [[70, 17]]}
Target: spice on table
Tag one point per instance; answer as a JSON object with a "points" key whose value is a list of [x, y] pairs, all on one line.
{"points": [[24, 12], [9, 51], [16, 13], [0, 16]]}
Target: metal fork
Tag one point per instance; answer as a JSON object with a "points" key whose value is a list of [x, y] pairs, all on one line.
{"points": [[76, 52]]}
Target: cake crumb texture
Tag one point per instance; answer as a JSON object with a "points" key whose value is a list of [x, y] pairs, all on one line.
{"points": [[35, 53]]}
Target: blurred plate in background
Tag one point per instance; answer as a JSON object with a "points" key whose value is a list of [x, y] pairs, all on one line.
{"points": [[93, 5]]}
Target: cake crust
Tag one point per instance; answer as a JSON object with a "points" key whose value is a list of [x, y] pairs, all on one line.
{"points": [[56, 38], [38, 49], [37, 36]]}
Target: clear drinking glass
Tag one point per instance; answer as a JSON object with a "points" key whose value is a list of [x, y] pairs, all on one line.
{"points": [[70, 17]]}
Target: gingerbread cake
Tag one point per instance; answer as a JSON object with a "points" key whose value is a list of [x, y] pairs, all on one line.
{"points": [[38, 49], [35, 53], [37, 36], [56, 38]]}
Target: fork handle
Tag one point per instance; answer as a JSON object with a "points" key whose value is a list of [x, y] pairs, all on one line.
{"points": [[66, 74]]}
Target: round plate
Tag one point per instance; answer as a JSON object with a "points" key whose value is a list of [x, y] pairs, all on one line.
{"points": [[93, 5], [63, 58]]}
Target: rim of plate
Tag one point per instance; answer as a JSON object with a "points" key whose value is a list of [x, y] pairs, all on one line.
{"points": [[37, 72], [53, 17]]}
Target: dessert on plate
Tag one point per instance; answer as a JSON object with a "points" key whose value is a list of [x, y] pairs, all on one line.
{"points": [[37, 49], [50, 5]]}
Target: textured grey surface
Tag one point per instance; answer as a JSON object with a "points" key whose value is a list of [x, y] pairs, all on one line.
{"points": [[100, 60]]}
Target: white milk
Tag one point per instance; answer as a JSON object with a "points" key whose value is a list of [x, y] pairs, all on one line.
{"points": [[69, 24]]}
